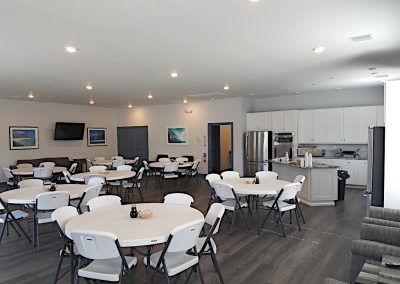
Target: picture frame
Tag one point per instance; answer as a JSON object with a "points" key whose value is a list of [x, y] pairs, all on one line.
{"points": [[23, 137], [177, 136], [96, 136]]}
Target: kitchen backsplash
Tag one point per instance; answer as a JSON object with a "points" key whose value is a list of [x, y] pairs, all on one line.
{"points": [[332, 151]]}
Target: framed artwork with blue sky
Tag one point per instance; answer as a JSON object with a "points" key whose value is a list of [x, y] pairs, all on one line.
{"points": [[177, 135]]}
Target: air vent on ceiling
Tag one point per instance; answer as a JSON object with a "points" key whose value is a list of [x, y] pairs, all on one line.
{"points": [[361, 38], [381, 76], [207, 95]]}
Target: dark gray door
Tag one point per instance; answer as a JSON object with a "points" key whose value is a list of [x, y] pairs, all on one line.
{"points": [[133, 141]]}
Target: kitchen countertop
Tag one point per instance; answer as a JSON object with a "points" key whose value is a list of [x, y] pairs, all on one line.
{"points": [[338, 158], [315, 165]]}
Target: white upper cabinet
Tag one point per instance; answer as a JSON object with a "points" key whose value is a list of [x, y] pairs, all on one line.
{"points": [[258, 121], [290, 121], [334, 125], [380, 116], [277, 121], [304, 124], [318, 125], [367, 119], [351, 125]]}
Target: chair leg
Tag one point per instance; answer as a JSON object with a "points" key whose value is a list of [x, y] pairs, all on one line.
{"points": [[266, 218], [59, 264], [233, 221], [299, 209], [141, 194], [199, 272], [280, 221], [2, 231], [297, 219], [216, 266], [244, 219]]}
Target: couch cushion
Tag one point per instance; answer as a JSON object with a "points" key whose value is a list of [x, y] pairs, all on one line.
{"points": [[34, 162]]}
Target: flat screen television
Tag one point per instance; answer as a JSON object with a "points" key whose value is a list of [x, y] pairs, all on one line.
{"points": [[69, 131]]}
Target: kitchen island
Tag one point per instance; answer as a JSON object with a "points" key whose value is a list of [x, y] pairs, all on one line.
{"points": [[320, 187]]}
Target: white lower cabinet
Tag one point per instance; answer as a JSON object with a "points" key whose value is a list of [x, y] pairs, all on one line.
{"points": [[357, 169], [362, 166]]}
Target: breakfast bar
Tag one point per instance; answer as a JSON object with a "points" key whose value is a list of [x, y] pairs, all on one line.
{"points": [[320, 187]]}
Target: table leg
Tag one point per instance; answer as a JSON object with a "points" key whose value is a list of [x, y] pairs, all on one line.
{"points": [[34, 226], [258, 215], [149, 250]]}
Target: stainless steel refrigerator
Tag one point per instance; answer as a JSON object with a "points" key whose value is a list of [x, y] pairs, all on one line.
{"points": [[257, 151], [376, 164]]}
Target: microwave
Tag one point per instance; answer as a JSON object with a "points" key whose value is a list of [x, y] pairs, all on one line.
{"points": [[283, 137]]}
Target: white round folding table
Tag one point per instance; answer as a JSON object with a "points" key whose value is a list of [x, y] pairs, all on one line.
{"points": [[160, 165], [29, 171], [108, 163], [110, 175]]}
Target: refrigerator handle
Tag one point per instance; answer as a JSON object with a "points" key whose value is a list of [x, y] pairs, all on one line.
{"points": [[246, 146]]}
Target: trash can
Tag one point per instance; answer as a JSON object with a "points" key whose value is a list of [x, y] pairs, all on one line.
{"points": [[342, 176]]}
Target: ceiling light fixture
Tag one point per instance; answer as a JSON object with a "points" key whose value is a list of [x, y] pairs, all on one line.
{"points": [[361, 38], [91, 102], [252, 94], [150, 96], [313, 84], [373, 68], [226, 87], [185, 101], [173, 74], [374, 73], [30, 95], [297, 92], [318, 49], [130, 106], [71, 49], [89, 87], [338, 89], [254, 0], [331, 78]]}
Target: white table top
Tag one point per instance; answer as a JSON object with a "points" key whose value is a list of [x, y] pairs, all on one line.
{"points": [[160, 165], [109, 162], [136, 232], [29, 171], [110, 175], [265, 187], [27, 195]]}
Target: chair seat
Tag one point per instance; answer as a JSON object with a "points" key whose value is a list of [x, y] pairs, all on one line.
{"points": [[10, 182], [18, 214], [106, 269], [114, 183], [283, 206], [44, 217], [230, 204], [170, 175], [176, 261], [200, 243]]}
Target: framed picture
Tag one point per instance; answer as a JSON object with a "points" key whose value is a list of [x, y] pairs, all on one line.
{"points": [[177, 135], [24, 137], [97, 136]]}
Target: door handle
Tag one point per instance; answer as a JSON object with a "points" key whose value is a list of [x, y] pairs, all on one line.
{"points": [[366, 193]]}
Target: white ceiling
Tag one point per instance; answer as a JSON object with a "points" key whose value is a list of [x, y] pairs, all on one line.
{"points": [[128, 47]]}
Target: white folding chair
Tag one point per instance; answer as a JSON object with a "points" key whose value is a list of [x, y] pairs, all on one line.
{"points": [[265, 175], [181, 160], [124, 168], [193, 171], [47, 164], [117, 163], [230, 201], [61, 216], [104, 201], [89, 164], [43, 173], [170, 171], [24, 165], [147, 168], [8, 217], [117, 158], [88, 194], [300, 179], [46, 202], [230, 174], [96, 169], [30, 183], [174, 259], [213, 197], [108, 263], [67, 176], [96, 180], [135, 184], [280, 204], [164, 160], [179, 199], [72, 168], [11, 180]]}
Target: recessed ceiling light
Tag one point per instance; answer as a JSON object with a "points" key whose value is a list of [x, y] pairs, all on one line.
{"points": [[254, 0], [30, 95], [313, 84], [213, 98], [226, 87], [130, 106], [318, 49], [173, 74], [89, 87], [331, 78], [373, 68], [91, 102], [252, 94], [150, 96], [185, 101], [297, 92], [71, 49], [337, 89]]}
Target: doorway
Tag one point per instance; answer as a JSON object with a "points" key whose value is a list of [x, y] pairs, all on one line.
{"points": [[133, 141], [220, 147]]}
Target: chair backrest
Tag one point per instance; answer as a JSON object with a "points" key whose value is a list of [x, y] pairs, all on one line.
{"points": [[88, 164], [72, 168], [67, 176], [91, 193], [116, 163], [181, 160], [171, 167], [140, 174], [99, 159], [266, 175], [47, 164], [195, 164], [62, 215], [185, 236], [289, 191], [179, 199], [223, 191], [230, 174], [190, 157], [213, 177], [52, 200], [161, 156], [43, 172], [300, 179], [104, 201], [216, 211], [94, 180], [24, 165], [30, 183], [8, 173], [146, 165], [124, 168], [97, 168], [95, 244], [164, 160], [117, 158]]}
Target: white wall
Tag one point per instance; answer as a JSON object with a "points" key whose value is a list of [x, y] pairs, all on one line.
{"points": [[341, 98], [392, 138], [158, 118], [44, 116]]}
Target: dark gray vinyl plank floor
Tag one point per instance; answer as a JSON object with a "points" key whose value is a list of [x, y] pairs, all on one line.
{"points": [[321, 249]]}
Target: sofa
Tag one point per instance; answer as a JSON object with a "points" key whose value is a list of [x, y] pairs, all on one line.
{"points": [[59, 161]]}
